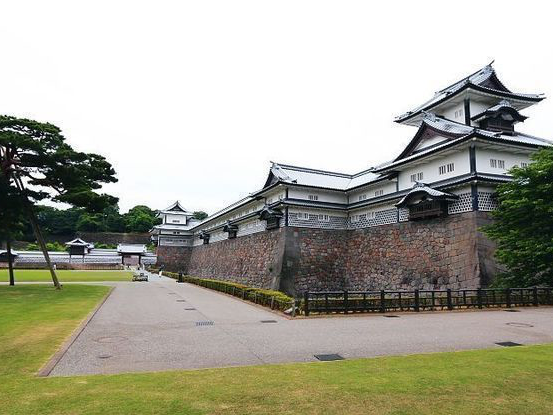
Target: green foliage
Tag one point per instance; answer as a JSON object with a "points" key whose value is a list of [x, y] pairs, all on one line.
{"points": [[12, 212], [36, 155], [90, 223], [55, 246], [52, 169], [69, 221], [258, 295], [200, 215], [50, 246], [140, 219], [57, 221], [523, 227], [101, 245]]}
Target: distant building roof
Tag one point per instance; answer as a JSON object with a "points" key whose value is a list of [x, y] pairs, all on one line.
{"points": [[78, 242], [175, 209], [131, 248]]}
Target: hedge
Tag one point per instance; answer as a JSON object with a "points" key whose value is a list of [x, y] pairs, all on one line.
{"points": [[276, 300]]}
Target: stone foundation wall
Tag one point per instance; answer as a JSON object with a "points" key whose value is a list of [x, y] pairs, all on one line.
{"points": [[315, 259], [174, 258], [431, 254], [254, 260]]}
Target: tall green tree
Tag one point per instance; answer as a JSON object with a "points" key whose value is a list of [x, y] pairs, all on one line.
{"points": [[58, 221], [523, 226], [140, 219], [37, 164]]}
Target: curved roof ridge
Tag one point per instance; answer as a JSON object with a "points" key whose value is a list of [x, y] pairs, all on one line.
{"points": [[311, 170]]}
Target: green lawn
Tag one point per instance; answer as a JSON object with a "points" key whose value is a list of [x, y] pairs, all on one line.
{"points": [[34, 320], [36, 275]]}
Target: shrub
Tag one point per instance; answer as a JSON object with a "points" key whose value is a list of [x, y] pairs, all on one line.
{"points": [[269, 298]]}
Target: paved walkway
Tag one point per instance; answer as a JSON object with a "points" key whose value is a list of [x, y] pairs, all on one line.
{"points": [[164, 325]]}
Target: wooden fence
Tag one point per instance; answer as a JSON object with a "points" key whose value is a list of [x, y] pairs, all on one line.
{"points": [[421, 300]]}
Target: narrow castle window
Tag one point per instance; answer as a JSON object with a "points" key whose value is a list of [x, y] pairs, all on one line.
{"points": [[313, 197], [324, 218], [417, 177], [303, 216], [379, 192], [446, 168], [497, 164], [362, 197]]}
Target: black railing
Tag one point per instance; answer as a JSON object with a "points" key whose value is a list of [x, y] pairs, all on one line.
{"points": [[422, 300]]}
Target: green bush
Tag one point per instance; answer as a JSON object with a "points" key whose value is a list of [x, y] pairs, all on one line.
{"points": [[50, 246], [101, 245], [269, 298]]}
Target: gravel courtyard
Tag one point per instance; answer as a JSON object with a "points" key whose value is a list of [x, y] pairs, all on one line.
{"points": [[162, 325]]}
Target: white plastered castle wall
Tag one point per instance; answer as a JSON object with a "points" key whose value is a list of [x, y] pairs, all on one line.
{"points": [[322, 195], [484, 155], [370, 191], [430, 169], [174, 219]]}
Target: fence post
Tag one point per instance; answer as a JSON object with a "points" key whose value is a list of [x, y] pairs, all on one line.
{"points": [[326, 303], [508, 297], [273, 302], [535, 296], [479, 297], [306, 302], [433, 300], [345, 301], [549, 296], [294, 304], [417, 299], [243, 294], [449, 302], [382, 301]]}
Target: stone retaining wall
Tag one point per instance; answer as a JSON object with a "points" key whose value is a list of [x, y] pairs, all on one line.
{"points": [[174, 258], [431, 254], [254, 260]]}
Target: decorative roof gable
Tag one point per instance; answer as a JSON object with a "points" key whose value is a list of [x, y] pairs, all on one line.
{"points": [[77, 242], [421, 192], [484, 80], [503, 106]]}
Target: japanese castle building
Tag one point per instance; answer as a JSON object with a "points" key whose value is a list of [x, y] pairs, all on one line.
{"points": [[464, 145], [411, 222], [175, 227]]}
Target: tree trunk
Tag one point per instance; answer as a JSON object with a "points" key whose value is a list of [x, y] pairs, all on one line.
{"points": [[40, 240], [10, 259], [36, 230]]}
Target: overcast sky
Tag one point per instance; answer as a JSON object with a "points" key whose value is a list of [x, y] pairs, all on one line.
{"points": [[191, 100]]}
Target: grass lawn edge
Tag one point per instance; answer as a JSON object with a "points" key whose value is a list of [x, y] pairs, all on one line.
{"points": [[47, 368]]}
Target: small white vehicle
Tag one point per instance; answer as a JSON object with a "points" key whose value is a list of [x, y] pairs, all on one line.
{"points": [[140, 276]]}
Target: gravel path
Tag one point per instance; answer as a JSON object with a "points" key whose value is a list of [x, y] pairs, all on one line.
{"points": [[162, 325]]}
